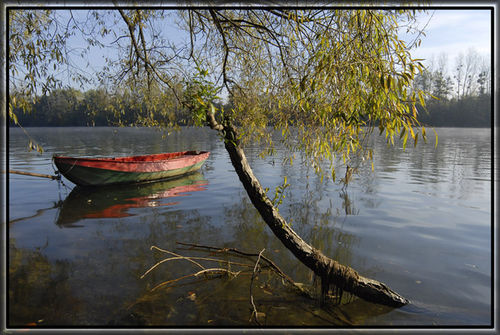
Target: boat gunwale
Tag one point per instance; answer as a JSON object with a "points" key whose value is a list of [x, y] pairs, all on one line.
{"points": [[155, 158]]}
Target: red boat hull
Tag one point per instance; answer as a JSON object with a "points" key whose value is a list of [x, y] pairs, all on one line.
{"points": [[133, 169]]}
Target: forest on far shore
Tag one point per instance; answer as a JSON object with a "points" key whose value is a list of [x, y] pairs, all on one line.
{"points": [[460, 99], [70, 107]]}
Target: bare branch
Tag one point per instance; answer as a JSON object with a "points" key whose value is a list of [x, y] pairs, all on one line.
{"points": [[226, 50], [255, 313]]}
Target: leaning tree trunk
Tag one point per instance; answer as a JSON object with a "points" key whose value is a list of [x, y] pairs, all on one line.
{"points": [[330, 271]]}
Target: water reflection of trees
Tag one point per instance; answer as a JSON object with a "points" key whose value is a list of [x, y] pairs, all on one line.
{"points": [[458, 163], [321, 226], [40, 291]]}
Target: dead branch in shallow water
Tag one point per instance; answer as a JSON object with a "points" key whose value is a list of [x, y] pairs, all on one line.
{"points": [[262, 262], [267, 260], [204, 270], [255, 313], [332, 293], [216, 271], [190, 259], [176, 256]]}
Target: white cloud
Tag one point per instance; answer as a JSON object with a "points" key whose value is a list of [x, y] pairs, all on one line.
{"points": [[455, 18], [453, 32]]}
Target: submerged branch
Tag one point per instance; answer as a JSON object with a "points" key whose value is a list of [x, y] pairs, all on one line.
{"points": [[255, 313], [217, 271], [242, 253]]}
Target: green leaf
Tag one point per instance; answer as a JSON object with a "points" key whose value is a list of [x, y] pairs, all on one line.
{"points": [[402, 133]]}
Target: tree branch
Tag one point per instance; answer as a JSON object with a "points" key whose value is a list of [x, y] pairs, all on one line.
{"points": [[255, 313], [147, 64], [239, 252], [226, 50], [144, 57], [212, 122]]}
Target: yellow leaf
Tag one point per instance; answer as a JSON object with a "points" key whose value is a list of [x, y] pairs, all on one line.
{"points": [[435, 146], [405, 139], [411, 131], [200, 101]]}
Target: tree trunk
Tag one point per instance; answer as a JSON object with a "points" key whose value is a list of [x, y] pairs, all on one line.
{"points": [[329, 270]]}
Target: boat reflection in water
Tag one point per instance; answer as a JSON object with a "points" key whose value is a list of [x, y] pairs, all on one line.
{"points": [[115, 201]]}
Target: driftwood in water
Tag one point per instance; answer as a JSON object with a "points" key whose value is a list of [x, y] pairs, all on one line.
{"points": [[35, 174], [330, 271]]}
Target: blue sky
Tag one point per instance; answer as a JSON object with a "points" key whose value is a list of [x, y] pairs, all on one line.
{"points": [[455, 31], [448, 31]]}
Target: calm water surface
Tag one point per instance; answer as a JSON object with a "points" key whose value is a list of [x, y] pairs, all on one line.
{"points": [[421, 223]]}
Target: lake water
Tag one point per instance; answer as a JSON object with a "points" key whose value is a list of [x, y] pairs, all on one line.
{"points": [[421, 222]]}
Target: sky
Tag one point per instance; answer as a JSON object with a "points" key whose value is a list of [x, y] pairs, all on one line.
{"points": [[453, 32], [447, 31]]}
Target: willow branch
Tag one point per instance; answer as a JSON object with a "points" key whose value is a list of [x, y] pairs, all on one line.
{"points": [[147, 64], [144, 57], [191, 33], [226, 50]]}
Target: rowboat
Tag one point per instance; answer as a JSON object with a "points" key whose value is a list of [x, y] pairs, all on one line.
{"points": [[97, 171]]}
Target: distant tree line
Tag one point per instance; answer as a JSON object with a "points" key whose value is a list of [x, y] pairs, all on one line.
{"points": [[96, 107], [462, 99], [459, 99], [71, 107]]}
